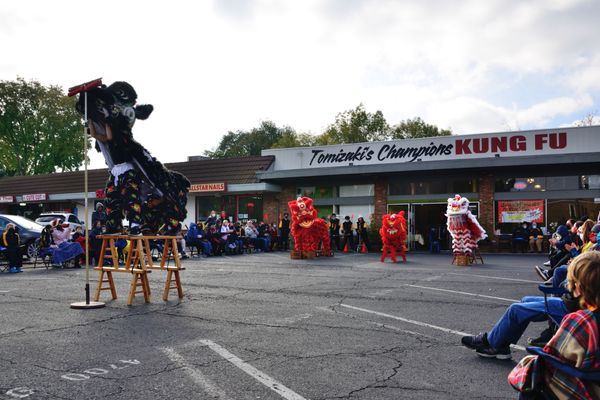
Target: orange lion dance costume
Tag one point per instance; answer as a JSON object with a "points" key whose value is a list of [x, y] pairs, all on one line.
{"points": [[307, 229], [393, 236]]}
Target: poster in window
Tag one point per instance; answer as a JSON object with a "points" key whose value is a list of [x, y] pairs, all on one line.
{"points": [[516, 211]]}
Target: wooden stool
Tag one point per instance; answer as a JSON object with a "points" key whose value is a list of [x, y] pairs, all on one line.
{"points": [[169, 252], [475, 255], [138, 263]]}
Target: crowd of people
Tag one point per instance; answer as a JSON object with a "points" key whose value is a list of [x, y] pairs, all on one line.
{"points": [[572, 334], [217, 235]]}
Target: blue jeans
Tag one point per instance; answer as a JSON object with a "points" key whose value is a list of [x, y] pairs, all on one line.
{"points": [[559, 276], [206, 247], [516, 318]]}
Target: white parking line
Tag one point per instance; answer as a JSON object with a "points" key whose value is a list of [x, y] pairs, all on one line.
{"points": [[263, 378], [496, 277], [419, 323], [465, 293], [209, 387], [4, 291]]}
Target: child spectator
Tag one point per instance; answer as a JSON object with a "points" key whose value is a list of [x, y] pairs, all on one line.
{"points": [[63, 249], [576, 342], [10, 240]]}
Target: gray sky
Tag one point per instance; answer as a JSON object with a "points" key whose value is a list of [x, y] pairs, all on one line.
{"points": [[209, 67]]}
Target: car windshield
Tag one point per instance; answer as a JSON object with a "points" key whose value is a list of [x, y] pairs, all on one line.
{"points": [[48, 218], [24, 222]]}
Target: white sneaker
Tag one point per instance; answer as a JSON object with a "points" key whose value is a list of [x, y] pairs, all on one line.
{"points": [[547, 263]]}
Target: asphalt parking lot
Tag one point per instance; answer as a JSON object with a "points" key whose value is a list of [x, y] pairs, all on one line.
{"points": [[263, 326]]}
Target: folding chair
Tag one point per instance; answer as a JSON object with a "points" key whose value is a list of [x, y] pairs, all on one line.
{"points": [[560, 365], [3, 259]]}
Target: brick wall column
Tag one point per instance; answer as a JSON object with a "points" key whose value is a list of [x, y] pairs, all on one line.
{"points": [[276, 203], [381, 189], [486, 204]]}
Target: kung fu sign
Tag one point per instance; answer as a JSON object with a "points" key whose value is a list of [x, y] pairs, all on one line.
{"points": [[511, 144]]}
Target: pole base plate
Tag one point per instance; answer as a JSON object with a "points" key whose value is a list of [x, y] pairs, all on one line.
{"points": [[82, 305]]}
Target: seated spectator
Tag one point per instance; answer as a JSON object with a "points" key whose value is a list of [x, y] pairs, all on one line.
{"points": [[560, 252], [536, 238], [252, 235], [575, 343], [520, 237], [11, 241], [214, 236], [63, 249], [95, 242], [264, 236], [192, 237], [511, 325]]}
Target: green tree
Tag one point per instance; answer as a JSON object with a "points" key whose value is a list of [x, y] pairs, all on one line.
{"points": [[354, 126], [40, 131], [292, 139], [250, 143], [416, 128]]}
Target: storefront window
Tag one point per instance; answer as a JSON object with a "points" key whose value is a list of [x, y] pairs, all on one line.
{"points": [[541, 184], [357, 190], [251, 207], [236, 207], [559, 211], [432, 186], [306, 191]]}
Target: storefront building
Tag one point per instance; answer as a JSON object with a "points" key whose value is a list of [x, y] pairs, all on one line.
{"points": [[545, 176]]}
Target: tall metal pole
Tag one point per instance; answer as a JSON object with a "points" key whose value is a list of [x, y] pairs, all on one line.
{"points": [[85, 188], [87, 304]]}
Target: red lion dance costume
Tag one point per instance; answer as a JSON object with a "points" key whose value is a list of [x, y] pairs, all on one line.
{"points": [[463, 226], [308, 230], [393, 236]]}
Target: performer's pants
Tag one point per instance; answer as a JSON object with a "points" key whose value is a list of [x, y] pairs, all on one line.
{"points": [[349, 240], [284, 240], [15, 260], [123, 197], [335, 239]]}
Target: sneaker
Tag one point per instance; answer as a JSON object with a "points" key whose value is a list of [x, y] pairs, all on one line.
{"points": [[547, 263], [490, 352], [12, 270], [541, 340], [19, 269], [475, 342], [542, 273]]}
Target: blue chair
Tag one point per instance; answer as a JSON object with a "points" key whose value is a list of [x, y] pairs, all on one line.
{"points": [[3, 259], [563, 367]]}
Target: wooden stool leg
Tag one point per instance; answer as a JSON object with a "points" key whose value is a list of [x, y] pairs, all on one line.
{"points": [[167, 285], [179, 287], [132, 288], [99, 286], [145, 287]]}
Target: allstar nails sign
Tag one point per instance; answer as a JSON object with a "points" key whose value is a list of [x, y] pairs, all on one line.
{"points": [[208, 187], [509, 144]]}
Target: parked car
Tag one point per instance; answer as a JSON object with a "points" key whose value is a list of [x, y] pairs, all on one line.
{"points": [[29, 232], [67, 218]]}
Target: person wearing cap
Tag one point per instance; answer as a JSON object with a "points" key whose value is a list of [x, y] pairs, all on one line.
{"points": [[347, 239], [334, 231], [63, 249], [99, 215], [11, 240]]}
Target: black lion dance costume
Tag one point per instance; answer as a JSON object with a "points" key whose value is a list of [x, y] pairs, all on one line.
{"points": [[152, 197]]}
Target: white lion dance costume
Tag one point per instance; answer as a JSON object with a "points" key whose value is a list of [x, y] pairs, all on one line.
{"points": [[463, 226]]}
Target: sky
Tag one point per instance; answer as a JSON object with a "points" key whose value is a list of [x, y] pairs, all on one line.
{"points": [[214, 66]]}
